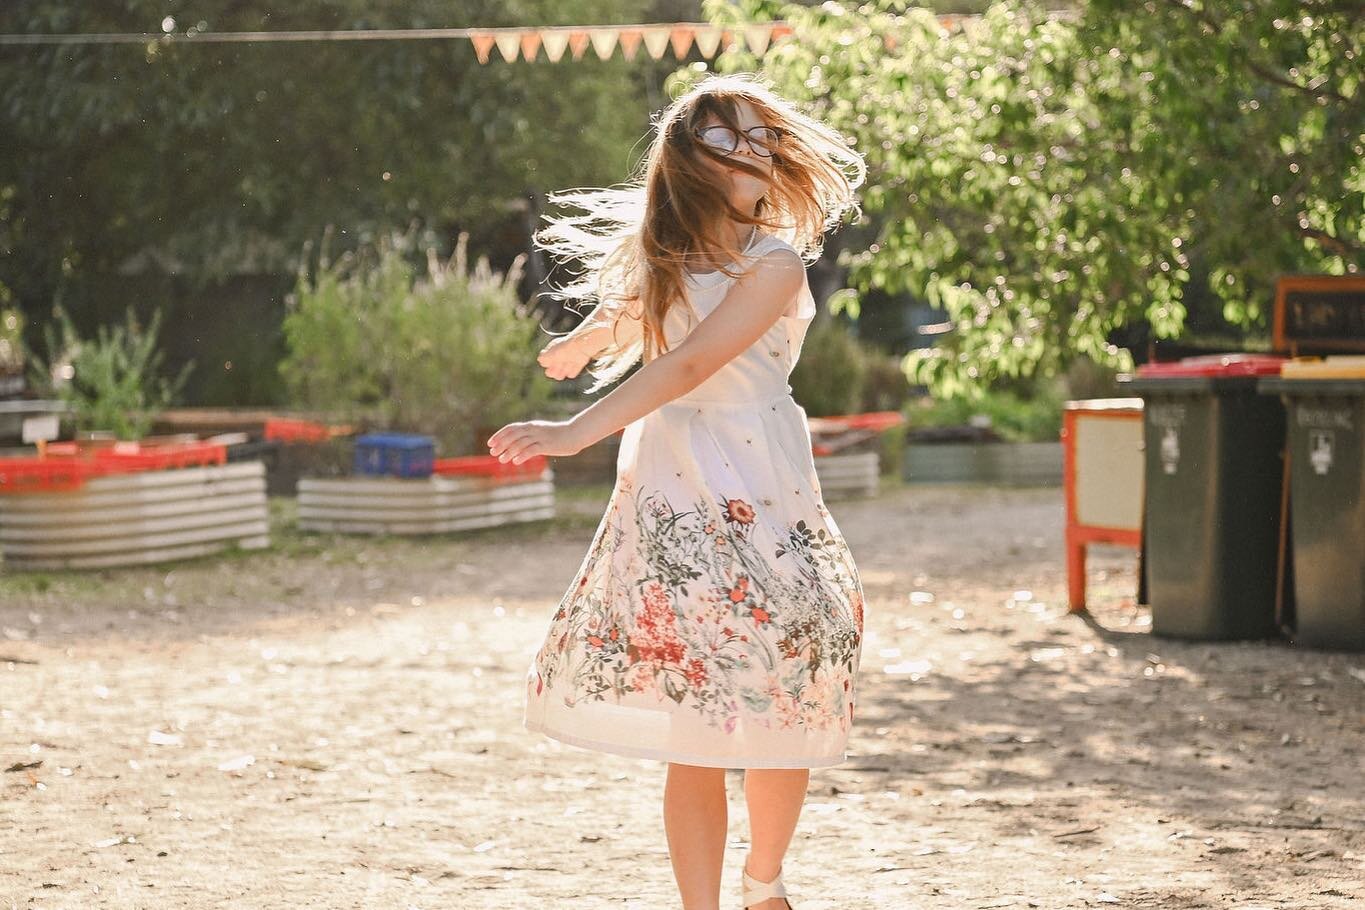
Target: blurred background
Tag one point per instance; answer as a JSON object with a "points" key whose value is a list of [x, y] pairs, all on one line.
{"points": [[1056, 191]]}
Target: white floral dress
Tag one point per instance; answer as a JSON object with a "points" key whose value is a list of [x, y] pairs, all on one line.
{"points": [[717, 617]]}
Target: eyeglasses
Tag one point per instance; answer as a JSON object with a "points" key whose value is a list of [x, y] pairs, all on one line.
{"points": [[763, 140]]}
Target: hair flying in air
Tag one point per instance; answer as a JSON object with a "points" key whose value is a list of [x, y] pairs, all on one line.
{"points": [[634, 241]]}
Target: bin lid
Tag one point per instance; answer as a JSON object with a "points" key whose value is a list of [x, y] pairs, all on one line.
{"points": [[1104, 404], [1233, 364], [1342, 367]]}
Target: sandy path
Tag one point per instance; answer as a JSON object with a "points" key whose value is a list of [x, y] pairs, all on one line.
{"points": [[338, 725]]}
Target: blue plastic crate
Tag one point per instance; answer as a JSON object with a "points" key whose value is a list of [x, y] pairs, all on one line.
{"points": [[398, 454]]}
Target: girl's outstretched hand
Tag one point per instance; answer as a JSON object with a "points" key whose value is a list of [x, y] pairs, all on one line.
{"points": [[517, 442], [564, 357]]}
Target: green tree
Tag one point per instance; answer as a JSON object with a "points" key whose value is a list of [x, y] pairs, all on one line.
{"points": [[202, 161], [1047, 179]]}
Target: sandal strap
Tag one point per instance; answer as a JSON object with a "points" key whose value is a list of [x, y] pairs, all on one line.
{"points": [[755, 890]]}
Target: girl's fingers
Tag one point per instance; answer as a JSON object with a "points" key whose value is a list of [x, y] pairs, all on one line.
{"points": [[511, 446], [516, 443], [527, 452], [503, 437], [506, 448], [524, 448]]}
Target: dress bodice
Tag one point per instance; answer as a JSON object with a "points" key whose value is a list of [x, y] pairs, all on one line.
{"points": [[760, 372]]}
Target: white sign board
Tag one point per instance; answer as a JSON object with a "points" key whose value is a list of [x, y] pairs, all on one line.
{"points": [[43, 428]]}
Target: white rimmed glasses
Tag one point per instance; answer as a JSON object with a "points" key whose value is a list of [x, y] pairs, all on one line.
{"points": [[764, 140]]}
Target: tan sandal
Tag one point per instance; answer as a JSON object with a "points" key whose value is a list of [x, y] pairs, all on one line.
{"points": [[756, 891]]}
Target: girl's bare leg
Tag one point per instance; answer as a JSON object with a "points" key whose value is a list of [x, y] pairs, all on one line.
{"points": [[774, 797], [695, 821]]}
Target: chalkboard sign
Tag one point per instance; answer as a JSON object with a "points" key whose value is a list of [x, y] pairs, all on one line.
{"points": [[1318, 314]]}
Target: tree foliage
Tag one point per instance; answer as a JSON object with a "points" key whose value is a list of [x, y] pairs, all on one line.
{"points": [[215, 159], [1047, 179]]}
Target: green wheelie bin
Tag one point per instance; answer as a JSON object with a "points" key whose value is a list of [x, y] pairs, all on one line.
{"points": [[1212, 485], [1325, 402]]}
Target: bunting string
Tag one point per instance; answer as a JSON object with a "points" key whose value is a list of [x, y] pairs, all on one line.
{"points": [[512, 44]]}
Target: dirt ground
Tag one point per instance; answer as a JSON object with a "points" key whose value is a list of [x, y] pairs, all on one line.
{"points": [[335, 723]]}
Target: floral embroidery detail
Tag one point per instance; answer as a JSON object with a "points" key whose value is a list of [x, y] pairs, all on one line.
{"points": [[740, 591], [656, 629], [739, 512], [714, 610]]}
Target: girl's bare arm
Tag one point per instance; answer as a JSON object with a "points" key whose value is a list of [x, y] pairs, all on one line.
{"points": [[596, 331], [754, 303], [566, 355]]}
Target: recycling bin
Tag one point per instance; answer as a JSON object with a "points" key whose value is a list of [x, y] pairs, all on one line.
{"points": [[1212, 473], [1325, 404]]}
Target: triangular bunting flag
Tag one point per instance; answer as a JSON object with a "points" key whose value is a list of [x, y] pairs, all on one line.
{"points": [[578, 43], [508, 45], [554, 44], [708, 39], [656, 41], [630, 42], [603, 42], [757, 37], [530, 43], [483, 43], [681, 39]]}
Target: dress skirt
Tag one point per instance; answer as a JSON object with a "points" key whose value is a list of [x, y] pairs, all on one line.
{"points": [[717, 617]]}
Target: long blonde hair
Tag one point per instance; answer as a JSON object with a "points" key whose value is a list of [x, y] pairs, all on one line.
{"points": [[635, 240]]}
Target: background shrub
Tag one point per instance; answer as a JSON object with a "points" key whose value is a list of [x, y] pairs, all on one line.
{"points": [[1016, 416], [111, 382], [831, 373], [444, 350]]}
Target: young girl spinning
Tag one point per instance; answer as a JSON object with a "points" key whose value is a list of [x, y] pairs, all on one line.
{"points": [[716, 621]]}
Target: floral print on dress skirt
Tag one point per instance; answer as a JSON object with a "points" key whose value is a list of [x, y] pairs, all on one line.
{"points": [[715, 608]]}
